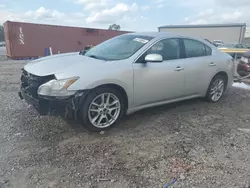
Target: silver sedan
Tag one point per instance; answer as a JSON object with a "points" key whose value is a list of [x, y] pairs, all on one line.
{"points": [[126, 74]]}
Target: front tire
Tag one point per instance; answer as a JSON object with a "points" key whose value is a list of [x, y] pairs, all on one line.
{"points": [[102, 108], [216, 88]]}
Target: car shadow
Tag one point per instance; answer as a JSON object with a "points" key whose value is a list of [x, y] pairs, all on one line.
{"points": [[131, 121], [149, 114], [138, 119]]}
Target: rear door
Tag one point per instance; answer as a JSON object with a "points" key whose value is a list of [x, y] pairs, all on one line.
{"points": [[200, 66], [160, 81]]}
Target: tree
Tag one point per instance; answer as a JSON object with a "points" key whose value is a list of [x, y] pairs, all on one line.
{"points": [[114, 27], [1, 33]]}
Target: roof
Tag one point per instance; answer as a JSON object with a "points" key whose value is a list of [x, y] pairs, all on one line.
{"points": [[163, 34], [204, 25], [170, 35], [155, 34]]}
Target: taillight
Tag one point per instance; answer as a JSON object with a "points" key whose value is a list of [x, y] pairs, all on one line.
{"points": [[247, 66]]}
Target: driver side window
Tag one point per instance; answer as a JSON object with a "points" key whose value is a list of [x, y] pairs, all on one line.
{"points": [[169, 49]]}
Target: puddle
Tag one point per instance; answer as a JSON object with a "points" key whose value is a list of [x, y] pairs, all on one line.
{"points": [[241, 85]]}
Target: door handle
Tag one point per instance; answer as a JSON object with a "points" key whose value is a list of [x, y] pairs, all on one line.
{"points": [[179, 68], [212, 64]]}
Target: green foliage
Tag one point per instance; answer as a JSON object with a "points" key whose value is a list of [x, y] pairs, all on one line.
{"points": [[115, 27]]}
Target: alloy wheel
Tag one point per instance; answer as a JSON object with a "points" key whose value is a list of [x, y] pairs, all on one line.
{"points": [[104, 110], [217, 89]]}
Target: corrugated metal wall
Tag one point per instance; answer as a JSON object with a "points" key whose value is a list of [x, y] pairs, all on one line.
{"points": [[30, 40], [247, 32], [227, 34]]}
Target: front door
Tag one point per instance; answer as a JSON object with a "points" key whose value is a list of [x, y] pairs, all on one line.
{"points": [[159, 81]]}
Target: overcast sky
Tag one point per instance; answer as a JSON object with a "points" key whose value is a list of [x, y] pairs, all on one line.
{"points": [[140, 15]]}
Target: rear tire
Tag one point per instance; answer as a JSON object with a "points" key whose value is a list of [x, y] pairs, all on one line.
{"points": [[216, 89], [101, 109]]}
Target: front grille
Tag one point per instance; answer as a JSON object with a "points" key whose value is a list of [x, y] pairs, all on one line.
{"points": [[31, 82]]}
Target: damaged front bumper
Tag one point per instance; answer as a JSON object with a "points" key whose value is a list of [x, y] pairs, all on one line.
{"points": [[55, 106]]}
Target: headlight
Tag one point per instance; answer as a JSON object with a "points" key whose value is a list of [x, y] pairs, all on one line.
{"points": [[57, 87]]}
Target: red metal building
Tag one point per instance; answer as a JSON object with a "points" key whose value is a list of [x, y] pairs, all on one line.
{"points": [[24, 40]]}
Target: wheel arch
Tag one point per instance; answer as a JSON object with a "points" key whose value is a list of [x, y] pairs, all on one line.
{"points": [[220, 73], [224, 74], [118, 88], [82, 112]]}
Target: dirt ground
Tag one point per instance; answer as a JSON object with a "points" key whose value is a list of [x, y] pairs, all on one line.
{"points": [[203, 145], [2, 51]]}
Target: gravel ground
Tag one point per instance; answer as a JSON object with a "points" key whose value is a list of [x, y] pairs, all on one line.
{"points": [[202, 144], [2, 51]]}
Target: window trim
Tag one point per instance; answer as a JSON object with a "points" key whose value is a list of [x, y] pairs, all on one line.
{"points": [[198, 42], [206, 50], [182, 52], [244, 46]]}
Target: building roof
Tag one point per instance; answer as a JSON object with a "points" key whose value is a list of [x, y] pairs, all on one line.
{"points": [[204, 25]]}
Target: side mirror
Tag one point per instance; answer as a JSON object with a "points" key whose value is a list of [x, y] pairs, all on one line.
{"points": [[153, 58]]}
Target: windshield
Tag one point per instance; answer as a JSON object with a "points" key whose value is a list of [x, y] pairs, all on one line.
{"points": [[118, 48]]}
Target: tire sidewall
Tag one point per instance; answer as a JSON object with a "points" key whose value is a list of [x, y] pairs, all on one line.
{"points": [[208, 95], [86, 103]]}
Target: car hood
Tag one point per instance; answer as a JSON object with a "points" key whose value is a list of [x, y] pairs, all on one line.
{"points": [[61, 63]]}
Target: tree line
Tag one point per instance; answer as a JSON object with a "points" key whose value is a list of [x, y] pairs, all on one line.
{"points": [[115, 27]]}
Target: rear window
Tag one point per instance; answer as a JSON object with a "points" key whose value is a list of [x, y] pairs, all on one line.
{"points": [[195, 48]]}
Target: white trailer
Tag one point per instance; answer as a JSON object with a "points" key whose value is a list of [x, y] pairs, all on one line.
{"points": [[228, 33]]}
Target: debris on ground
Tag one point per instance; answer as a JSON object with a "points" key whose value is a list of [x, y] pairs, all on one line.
{"points": [[244, 130], [242, 85]]}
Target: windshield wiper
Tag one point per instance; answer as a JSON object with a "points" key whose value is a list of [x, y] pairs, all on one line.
{"points": [[96, 57]]}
